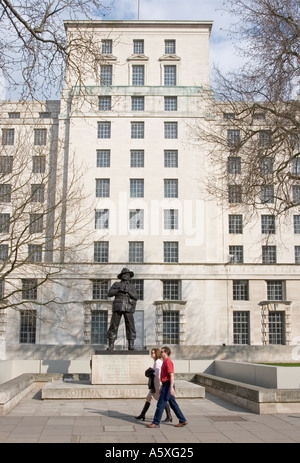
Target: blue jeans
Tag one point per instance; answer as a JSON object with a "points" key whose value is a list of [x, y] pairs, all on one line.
{"points": [[164, 398]]}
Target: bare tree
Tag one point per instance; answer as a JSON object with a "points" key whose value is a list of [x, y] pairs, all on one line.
{"points": [[253, 133]]}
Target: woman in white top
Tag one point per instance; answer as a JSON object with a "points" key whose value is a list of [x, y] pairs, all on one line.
{"points": [[155, 354]]}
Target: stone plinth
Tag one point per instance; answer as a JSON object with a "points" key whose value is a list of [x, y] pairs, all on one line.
{"points": [[120, 367]]}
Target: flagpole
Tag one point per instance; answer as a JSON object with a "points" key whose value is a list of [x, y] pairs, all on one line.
{"points": [[138, 9]]}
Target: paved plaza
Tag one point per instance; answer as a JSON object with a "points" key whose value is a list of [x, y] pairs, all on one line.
{"points": [[111, 421]]}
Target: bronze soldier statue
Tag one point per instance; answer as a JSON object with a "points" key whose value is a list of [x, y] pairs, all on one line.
{"points": [[124, 304]]}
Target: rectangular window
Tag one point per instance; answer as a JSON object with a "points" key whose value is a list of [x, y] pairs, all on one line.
{"points": [[138, 47], [171, 158], [45, 115], [4, 223], [170, 75], [266, 165], [14, 115], [40, 137], [137, 188], [104, 103], [296, 167], [101, 219], [296, 194], [29, 289], [235, 194], [234, 165], [267, 194], [236, 254], [100, 289], [275, 290], [137, 103], [240, 290], [6, 164], [276, 327], [137, 158], [235, 224], [265, 138], [103, 158], [8, 136], [171, 290], [35, 253], [136, 251], [3, 252], [297, 224], [170, 188], [99, 327], [38, 164], [233, 138], [106, 46], [102, 187], [27, 327], [241, 327], [297, 254], [37, 193], [170, 103], [104, 130], [106, 73], [171, 219], [171, 251], [101, 251], [268, 224], [139, 286], [171, 129], [171, 327], [5, 193], [36, 223], [170, 47], [1, 289], [136, 219], [138, 75], [137, 130]]}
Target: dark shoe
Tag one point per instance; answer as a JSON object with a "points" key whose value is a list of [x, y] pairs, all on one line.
{"points": [[168, 418], [111, 345], [144, 411], [152, 425], [130, 345], [179, 425]]}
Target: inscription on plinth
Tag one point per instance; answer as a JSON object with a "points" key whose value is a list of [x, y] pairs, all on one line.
{"points": [[120, 369]]}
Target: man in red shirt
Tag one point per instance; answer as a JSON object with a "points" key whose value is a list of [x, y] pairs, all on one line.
{"points": [[167, 393]]}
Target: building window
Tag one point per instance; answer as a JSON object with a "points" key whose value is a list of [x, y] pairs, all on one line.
{"points": [[170, 188], [171, 290], [137, 158], [235, 194], [170, 103], [100, 289], [6, 164], [36, 223], [296, 194], [170, 75], [139, 286], [171, 129], [240, 290], [267, 194], [136, 219], [170, 47], [104, 103], [269, 254], [171, 219], [45, 115], [265, 138], [3, 252], [37, 193], [235, 223], [99, 327], [276, 327], [228, 116], [266, 165], [233, 138], [136, 251], [38, 164], [8, 136], [4, 223], [27, 327], [236, 254], [297, 254], [106, 73], [171, 251], [104, 129], [275, 290], [14, 115], [137, 103], [35, 253], [138, 75], [171, 158], [268, 224], [137, 129], [106, 46], [40, 137], [29, 289], [234, 165], [297, 224], [171, 327], [138, 47], [1, 289], [137, 188], [296, 167], [103, 158], [241, 327], [101, 219], [101, 251], [5, 193], [102, 187]]}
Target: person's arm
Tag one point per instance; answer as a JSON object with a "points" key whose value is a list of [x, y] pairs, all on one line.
{"points": [[172, 391]]}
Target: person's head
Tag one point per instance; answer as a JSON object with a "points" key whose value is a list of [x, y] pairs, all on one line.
{"points": [[165, 352], [155, 353]]}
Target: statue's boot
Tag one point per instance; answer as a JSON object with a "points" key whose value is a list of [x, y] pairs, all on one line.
{"points": [[130, 344], [111, 344]]}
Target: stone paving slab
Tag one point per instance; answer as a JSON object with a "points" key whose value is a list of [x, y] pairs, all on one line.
{"points": [[112, 423]]}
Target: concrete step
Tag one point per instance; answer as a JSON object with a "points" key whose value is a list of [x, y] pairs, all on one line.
{"points": [[85, 390]]}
